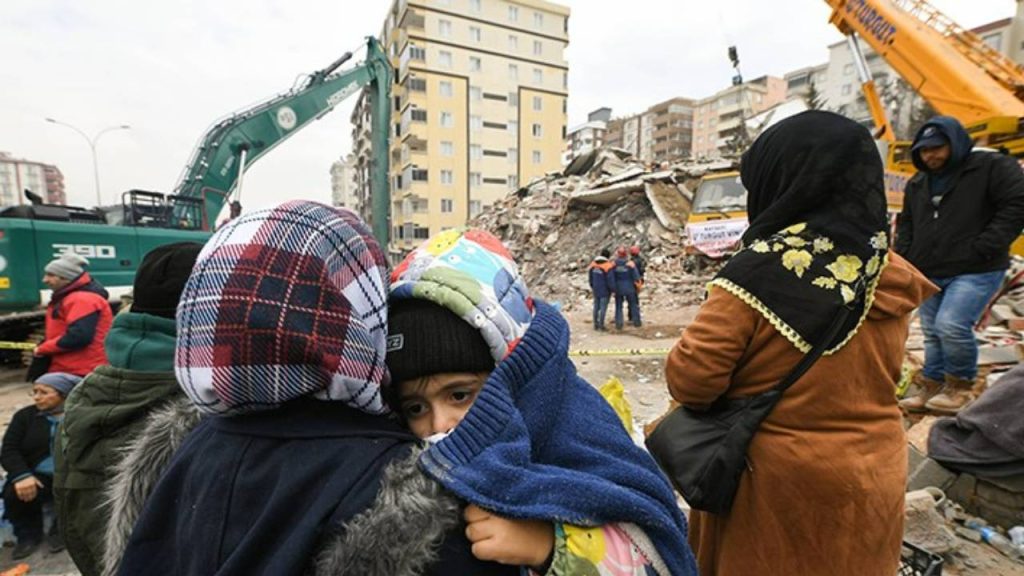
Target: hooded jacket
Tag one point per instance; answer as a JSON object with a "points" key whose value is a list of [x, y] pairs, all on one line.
{"points": [[600, 278], [962, 219], [78, 318], [102, 415]]}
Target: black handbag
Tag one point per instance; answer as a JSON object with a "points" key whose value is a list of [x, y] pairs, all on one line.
{"points": [[704, 453]]}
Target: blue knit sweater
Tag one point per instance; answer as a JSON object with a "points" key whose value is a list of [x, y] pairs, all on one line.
{"points": [[539, 442]]}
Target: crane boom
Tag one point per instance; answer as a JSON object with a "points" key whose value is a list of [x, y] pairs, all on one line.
{"points": [[949, 66], [213, 170]]}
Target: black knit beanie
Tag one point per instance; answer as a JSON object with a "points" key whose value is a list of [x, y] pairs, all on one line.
{"points": [[161, 278], [426, 339]]}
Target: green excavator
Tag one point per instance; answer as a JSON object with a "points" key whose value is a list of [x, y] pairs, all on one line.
{"points": [[115, 239]]}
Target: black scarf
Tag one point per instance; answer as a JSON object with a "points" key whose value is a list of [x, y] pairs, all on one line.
{"points": [[818, 235]]}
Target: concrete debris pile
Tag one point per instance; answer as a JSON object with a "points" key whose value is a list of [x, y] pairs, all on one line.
{"points": [[1001, 329], [557, 224]]}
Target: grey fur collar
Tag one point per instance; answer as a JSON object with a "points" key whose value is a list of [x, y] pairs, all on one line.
{"points": [[144, 460], [399, 535]]}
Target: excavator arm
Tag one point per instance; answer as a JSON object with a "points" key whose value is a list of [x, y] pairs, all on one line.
{"points": [[228, 148]]}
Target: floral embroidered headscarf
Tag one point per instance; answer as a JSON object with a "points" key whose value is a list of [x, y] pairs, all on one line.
{"points": [[818, 237]]}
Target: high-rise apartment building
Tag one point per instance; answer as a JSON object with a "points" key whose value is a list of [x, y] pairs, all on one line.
{"points": [[663, 132], [17, 175], [343, 183], [479, 107]]}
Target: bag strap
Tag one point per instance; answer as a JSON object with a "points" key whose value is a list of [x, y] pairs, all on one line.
{"points": [[811, 357]]}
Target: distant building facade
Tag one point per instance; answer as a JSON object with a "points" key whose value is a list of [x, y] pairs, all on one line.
{"points": [[343, 184], [719, 120], [17, 175]]}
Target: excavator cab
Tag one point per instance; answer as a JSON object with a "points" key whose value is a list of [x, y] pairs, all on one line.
{"points": [[156, 210], [717, 218]]}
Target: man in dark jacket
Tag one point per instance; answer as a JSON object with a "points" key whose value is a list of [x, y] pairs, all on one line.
{"points": [[960, 214], [624, 279], [109, 408], [78, 317], [641, 267], [600, 286]]}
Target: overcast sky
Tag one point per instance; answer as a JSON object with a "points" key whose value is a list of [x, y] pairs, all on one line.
{"points": [[170, 69]]}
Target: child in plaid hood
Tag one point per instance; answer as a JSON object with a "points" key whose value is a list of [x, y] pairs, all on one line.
{"points": [[481, 370], [296, 468]]}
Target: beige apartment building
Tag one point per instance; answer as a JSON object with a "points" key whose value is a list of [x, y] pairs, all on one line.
{"points": [[663, 132], [17, 175], [479, 108], [717, 119]]}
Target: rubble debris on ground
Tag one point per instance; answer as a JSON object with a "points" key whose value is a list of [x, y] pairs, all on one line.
{"points": [[557, 224]]}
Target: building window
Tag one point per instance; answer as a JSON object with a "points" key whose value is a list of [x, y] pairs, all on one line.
{"points": [[447, 148], [474, 207], [476, 152], [476, 123], [847, 89], [994, 40], [474, 5], [538, 47], [417, 84], [444, 28], [513, 72], [565, 80], [537, 130], [513, 13], [444, 59], [513, 127], [417, 53], [848, 69], [475, 93], [538, 76], [513, 155], [418, 115], [475, 65], [419, 175], [538, 20], [447, 178], [475, 179], [447, 204], [513, 42], [536, 156], [447, 121], [538, 103], [513, 182], [513, 99], [446, 89], [421, 233], [474, 34]]}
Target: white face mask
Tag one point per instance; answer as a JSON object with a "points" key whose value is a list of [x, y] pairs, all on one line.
{"points": [[435, 438]]}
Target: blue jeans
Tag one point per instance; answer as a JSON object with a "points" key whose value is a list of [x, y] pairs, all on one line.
{"points": [[947, 320], [600, 311], [634, 306]]}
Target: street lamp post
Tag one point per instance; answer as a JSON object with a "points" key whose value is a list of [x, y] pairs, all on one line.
{"points": [[92, 146]]}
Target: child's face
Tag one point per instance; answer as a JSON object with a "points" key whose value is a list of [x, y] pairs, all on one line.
{"points": [[438, 403]]}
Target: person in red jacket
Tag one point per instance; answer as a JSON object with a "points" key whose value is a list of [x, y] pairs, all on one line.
{"points": [[78, 317]]}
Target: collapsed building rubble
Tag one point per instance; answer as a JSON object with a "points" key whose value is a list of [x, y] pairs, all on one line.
{"points": [[557, 224]]}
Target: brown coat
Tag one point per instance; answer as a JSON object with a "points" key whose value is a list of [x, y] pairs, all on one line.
{"points": [[829, 463]]}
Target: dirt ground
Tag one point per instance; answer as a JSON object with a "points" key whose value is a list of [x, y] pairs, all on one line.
{"points": [[643, 380]]}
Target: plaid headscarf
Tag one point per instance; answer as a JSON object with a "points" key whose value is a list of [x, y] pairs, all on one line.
{"points": [[284, 303]]}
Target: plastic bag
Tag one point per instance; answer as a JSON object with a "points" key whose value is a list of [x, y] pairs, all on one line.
{"points": [[615, 394]]}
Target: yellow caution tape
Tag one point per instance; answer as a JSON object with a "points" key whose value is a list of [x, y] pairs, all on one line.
{"points": [[622, 352], [18, 345]]}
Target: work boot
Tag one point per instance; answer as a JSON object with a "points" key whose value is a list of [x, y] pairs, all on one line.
{"points": [[927, 388], [957, 393], [24, 548]]}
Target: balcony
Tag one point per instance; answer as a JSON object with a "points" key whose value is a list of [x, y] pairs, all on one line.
{"points": [[411, 19]]}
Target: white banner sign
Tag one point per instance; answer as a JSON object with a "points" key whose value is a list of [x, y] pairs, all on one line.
{"points": [[716, 237]]}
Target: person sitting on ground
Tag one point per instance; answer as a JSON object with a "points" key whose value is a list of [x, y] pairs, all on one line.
{"points": [[297, 468], [78, 318], [553, 481], [110, 408], [624, 282], [601, 286], [823, 493], [27, 458]]}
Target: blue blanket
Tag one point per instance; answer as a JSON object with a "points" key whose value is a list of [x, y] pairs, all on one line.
{"points": [[541, 443]]}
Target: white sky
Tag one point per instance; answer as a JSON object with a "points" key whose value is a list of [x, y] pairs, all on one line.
{"points": [[169, 69]]}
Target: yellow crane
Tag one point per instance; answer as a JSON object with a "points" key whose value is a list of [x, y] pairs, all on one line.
{"points": [[952, 68]]}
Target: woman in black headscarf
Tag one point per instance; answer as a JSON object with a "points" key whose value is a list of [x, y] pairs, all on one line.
{"points": [[824, 492]]}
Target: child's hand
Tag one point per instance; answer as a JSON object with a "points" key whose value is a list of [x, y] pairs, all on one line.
{"points": [[506, 541]]}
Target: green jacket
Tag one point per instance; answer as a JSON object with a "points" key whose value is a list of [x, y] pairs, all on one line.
{"points": [[102, 414]]}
